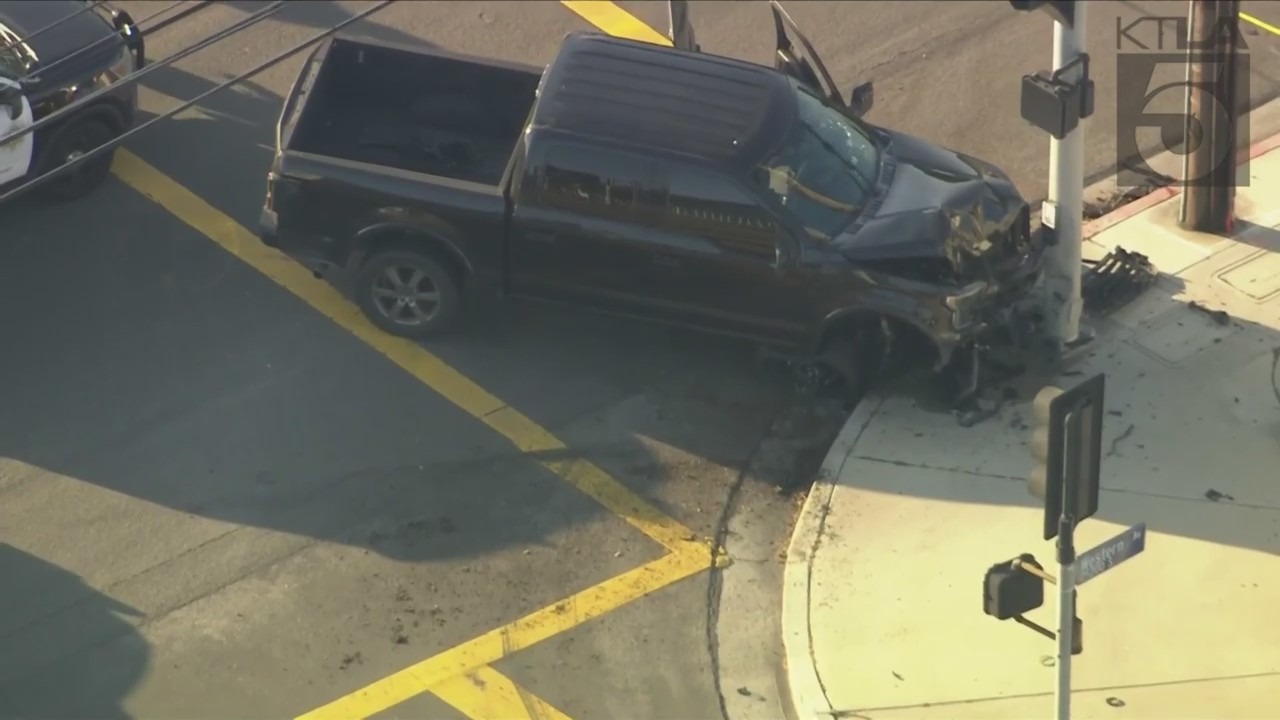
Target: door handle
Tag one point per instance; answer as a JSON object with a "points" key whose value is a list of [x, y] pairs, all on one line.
{"points": [[541, 237], [666, 261]]}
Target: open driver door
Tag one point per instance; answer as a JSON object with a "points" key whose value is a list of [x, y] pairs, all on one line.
{"points": [[806, 66]]}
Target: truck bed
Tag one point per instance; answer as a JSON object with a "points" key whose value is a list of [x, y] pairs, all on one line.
{"points": [[414, 110]]}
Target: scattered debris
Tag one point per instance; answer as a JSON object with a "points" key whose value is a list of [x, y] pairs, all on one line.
{"points": [[1115, 280], [1215, 496], [975, 412], [1124, 435], [895, 674], [1114, 201], [1275, 365], [1218, 316], [350, 659], [744, 692], [1115, 702]]}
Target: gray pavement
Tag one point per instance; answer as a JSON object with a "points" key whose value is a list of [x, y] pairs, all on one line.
{"points": [[214, 502], [217, 503], [950, 71]]}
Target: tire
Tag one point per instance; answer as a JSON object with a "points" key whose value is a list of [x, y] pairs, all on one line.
{"points": [[852, 358], [78, 138], [386, 304]]}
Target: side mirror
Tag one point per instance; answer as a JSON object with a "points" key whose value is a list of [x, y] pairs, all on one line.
{"points": [[861, 98]]}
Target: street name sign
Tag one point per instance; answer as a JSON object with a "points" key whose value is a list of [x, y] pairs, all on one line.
{"points": [[1101, 558]]}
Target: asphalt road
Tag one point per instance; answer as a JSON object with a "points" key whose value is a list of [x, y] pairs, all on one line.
{"points": [[217, 502], [951, 71]]}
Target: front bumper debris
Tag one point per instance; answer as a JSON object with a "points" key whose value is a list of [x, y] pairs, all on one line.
{"points": [[1115, 281]]}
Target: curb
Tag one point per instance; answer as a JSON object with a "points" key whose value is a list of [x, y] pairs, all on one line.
{"points": [[807, 695], [1150, 200]]}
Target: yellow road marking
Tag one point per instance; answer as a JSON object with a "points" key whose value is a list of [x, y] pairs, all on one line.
{"points": [[687, 555], [614, 20], [1260, 23], [528, 630], [462, 676], [413, 358], [486, 694]]}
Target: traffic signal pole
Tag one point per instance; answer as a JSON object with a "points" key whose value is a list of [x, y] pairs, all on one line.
{"points": [[1066, 613], [1064, 206]]}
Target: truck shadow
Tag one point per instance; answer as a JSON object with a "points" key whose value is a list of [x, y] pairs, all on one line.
{"points": [[215, 393], [66, 650]]}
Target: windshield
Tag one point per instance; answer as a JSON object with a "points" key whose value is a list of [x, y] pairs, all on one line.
{"points": [[825, 172]]}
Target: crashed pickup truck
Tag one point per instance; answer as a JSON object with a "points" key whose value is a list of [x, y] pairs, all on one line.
{"points": [[644, 181]]}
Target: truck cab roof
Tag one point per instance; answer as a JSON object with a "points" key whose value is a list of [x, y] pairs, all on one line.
{"points": [[720, 110]]}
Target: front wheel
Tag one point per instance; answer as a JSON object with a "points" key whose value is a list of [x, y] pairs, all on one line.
{"points": [[71, 143], [853, 361], [407, 294]]}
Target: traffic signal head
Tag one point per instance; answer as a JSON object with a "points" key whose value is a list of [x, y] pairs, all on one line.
{"points": [[1009, 591], [1066, 446], [1063, 11], [1042, 446]]}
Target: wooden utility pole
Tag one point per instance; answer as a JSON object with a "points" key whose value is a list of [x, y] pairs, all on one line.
{"points": [[1212, 112]]}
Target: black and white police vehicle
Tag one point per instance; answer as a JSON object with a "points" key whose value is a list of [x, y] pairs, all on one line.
{"points": [[52, 54]]}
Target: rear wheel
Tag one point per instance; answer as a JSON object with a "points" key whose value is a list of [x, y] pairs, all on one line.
{"points": [[407, 294], [71, 143]]}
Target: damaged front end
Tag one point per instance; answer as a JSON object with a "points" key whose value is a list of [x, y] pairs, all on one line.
{"points": [[996, 306], [969, 292]]}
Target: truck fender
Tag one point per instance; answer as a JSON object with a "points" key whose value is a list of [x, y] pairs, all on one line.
{"points": [[411, 237], [897, 322]]}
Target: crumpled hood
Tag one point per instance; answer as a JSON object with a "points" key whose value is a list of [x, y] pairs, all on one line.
{"points": [[939, 203]]}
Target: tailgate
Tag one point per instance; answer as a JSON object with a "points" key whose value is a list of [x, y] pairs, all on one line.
{"points": [[296, 100]]}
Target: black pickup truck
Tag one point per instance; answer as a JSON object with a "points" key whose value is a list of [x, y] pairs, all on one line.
{"points": [[52, 53], [643, 181]]}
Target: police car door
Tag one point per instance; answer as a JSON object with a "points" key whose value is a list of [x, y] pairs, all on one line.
{"points": [[15, 114]]}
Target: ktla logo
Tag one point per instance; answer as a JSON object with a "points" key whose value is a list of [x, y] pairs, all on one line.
{"points": [[1152, 61]]}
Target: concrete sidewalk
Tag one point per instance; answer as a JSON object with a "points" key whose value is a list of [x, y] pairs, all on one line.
{"points": [[882, 616]]}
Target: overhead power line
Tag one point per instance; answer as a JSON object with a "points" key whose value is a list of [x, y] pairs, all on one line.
{"points": [[219, 36], [37, 181]]}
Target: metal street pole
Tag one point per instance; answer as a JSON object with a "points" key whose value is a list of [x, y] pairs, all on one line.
{"points": [[1066, 613], [1065, 201], [679, 29]]}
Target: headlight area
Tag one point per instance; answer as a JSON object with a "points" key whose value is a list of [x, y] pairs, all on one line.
{"points": [[124, 66], [967, 304], [128, 29]]}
